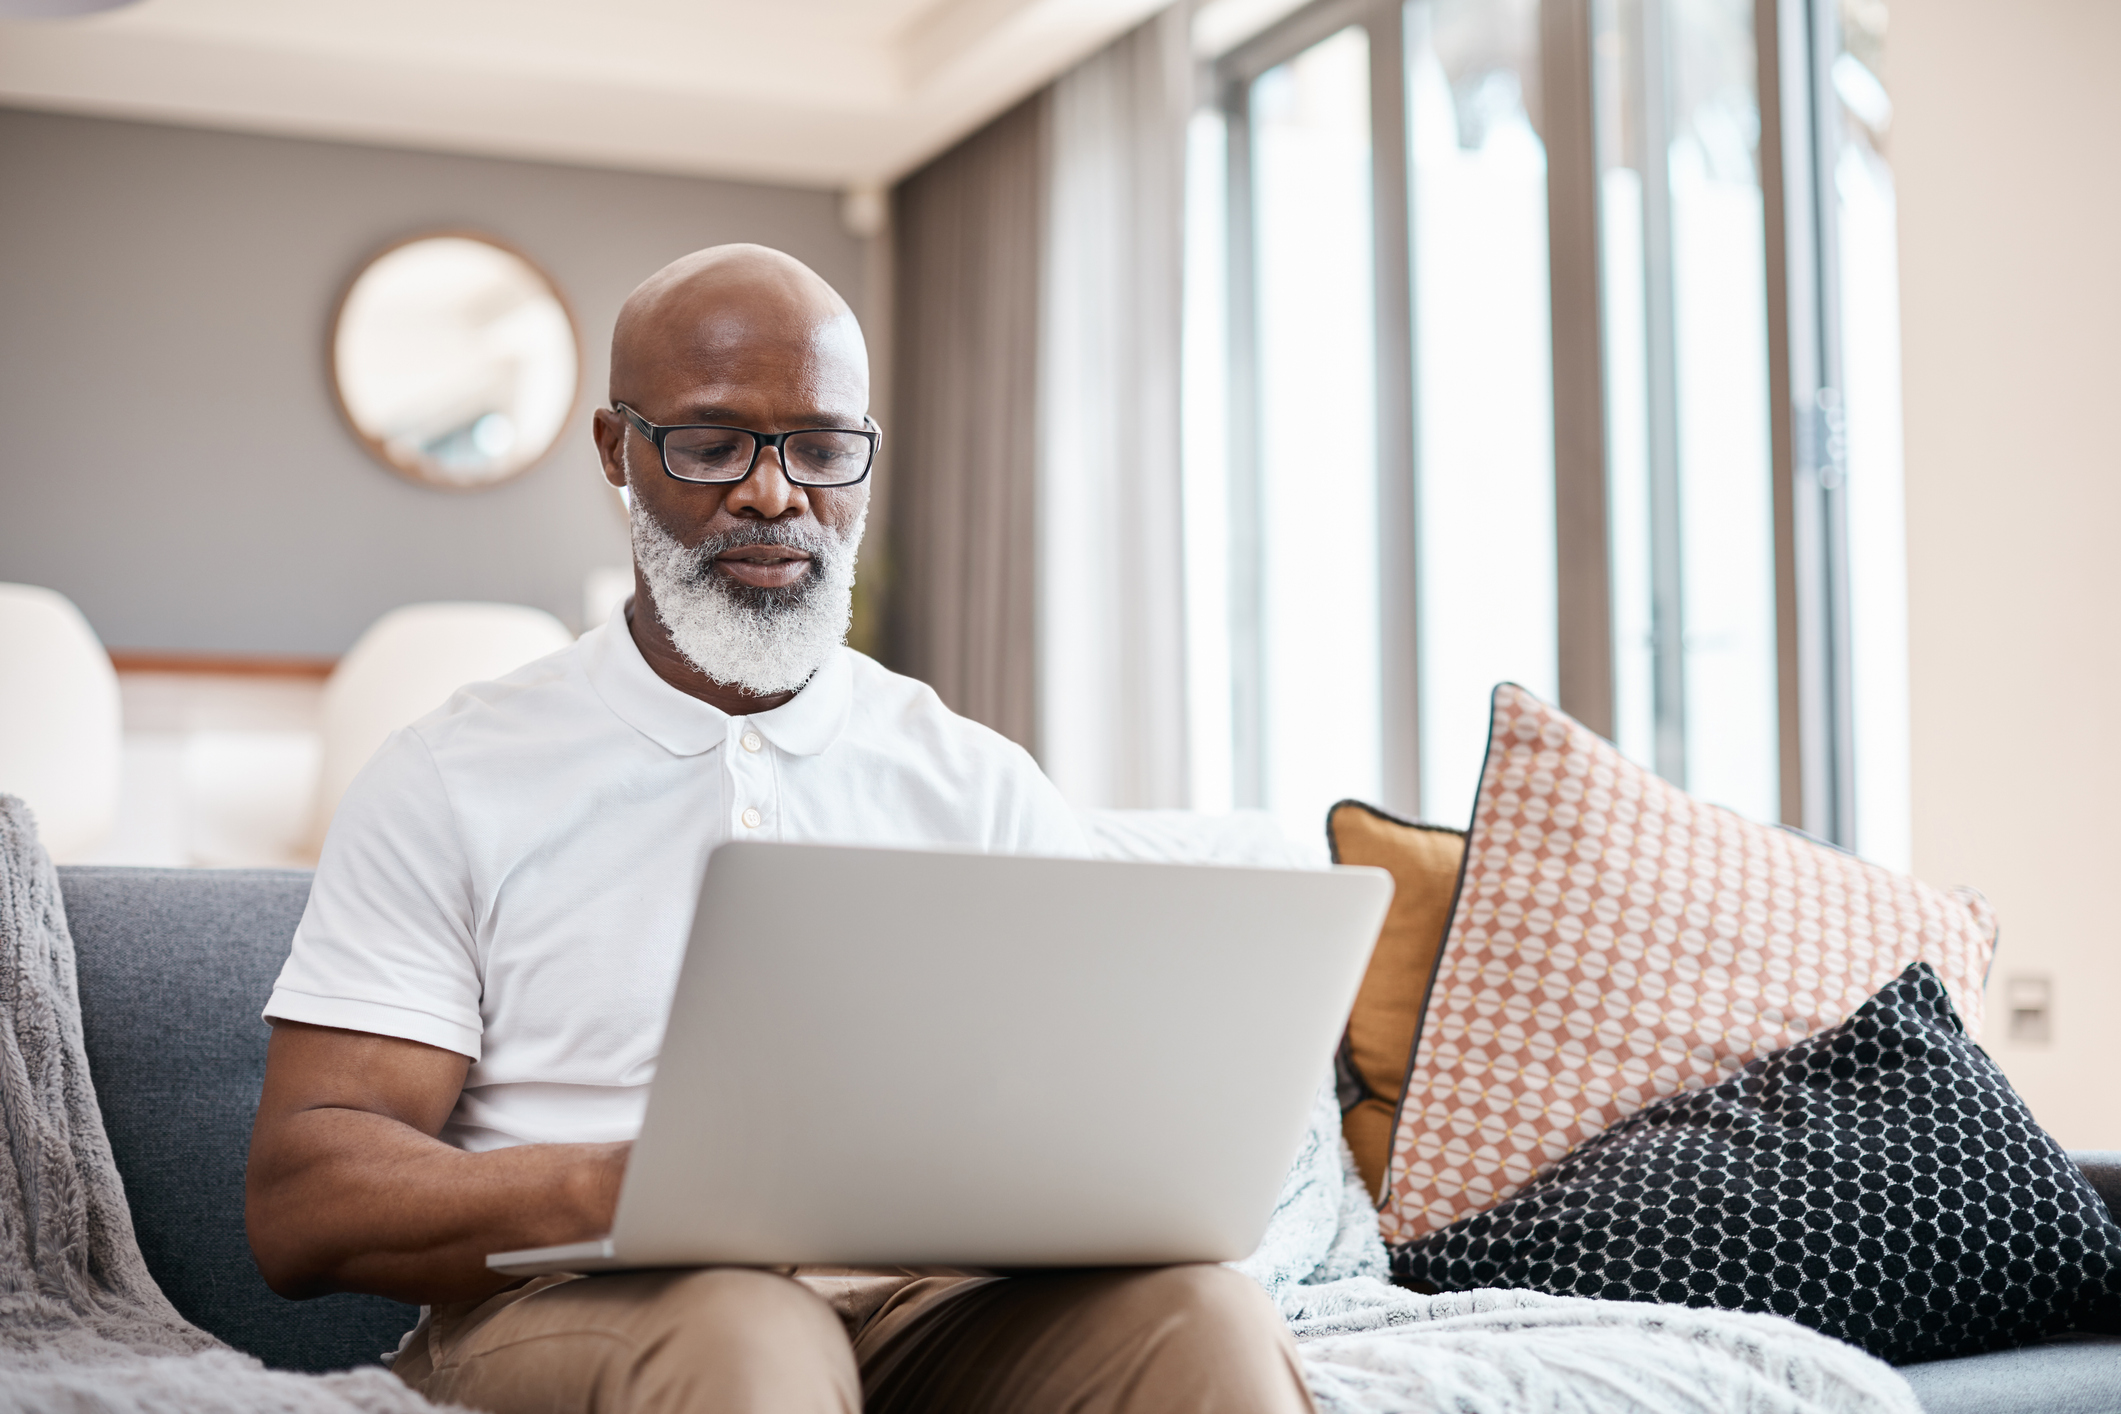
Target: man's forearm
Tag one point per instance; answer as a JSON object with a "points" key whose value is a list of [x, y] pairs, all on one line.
{"points": [[350, 1190], [346, 1200]]}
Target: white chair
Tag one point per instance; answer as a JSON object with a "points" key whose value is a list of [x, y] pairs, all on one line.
{"points": [[60, 722], [406, 665]]}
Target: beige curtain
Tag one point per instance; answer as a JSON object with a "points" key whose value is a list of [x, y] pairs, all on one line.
{"points": [[1036, 574], [962, 609]]}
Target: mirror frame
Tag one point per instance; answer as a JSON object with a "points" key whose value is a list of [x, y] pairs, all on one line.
{"points": [[421, 470]]}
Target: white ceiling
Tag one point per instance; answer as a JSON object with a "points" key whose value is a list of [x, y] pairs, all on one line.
{"points": [[838, 93]]}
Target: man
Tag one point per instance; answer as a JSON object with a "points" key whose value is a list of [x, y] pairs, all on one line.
{"points": [[465, 1030]]}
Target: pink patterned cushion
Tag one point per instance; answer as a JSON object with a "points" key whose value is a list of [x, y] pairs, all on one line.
{"points": [[1616, 941]]}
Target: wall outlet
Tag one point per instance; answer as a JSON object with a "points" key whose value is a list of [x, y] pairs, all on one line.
{"points": [[2029, 998]]}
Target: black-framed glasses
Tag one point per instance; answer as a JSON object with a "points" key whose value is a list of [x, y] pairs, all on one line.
{"points": [[722, 456]]}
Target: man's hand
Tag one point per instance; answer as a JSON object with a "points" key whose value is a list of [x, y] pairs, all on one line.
{"points": [[350, 1190]]}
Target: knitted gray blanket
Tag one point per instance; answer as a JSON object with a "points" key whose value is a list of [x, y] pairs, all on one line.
{"points": [[1371, 1348], [83, 1327]]}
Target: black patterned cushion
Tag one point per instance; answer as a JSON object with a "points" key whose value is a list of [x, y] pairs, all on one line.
{"points": [[1880, 1182]]}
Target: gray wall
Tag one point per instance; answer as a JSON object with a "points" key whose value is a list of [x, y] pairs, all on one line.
{"points": [[170, 455]]}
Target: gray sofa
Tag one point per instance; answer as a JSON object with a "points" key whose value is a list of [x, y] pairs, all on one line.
{"points": [[174, 966]]}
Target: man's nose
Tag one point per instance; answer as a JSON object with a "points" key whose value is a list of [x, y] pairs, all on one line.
{"points": [[767, 492]]}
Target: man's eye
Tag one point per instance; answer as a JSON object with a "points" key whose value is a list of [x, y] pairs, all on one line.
{"points": [[829, 454]]}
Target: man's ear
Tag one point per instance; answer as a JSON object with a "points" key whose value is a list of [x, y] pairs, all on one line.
{"points": [[609, 429]]}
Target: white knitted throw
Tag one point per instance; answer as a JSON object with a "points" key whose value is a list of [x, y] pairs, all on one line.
{"points": [[1371, 1348], [83, 1327]]}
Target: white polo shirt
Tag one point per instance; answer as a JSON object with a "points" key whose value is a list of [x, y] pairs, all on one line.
{"points": [[513, 876]]}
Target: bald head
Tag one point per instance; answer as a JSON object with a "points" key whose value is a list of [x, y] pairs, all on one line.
{"points": [[737, 307], [750, 580]]}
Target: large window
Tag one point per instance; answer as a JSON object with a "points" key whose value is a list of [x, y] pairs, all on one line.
{"points": [[1392, 211], [1691, 493]]}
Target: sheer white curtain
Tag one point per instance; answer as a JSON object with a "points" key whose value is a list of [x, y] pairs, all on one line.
{"points": [[1111, 596]]}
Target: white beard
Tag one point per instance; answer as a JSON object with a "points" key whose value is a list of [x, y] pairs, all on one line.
{"points": [[765, 641]]}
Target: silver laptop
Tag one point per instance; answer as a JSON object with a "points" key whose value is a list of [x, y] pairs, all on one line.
{"points": [[892, 1057]]}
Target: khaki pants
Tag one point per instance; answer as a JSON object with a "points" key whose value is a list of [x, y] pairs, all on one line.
{"points": [[737, 1341]]}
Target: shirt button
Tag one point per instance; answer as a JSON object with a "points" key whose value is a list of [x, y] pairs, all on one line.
{"points": [[752, 742], [751, 817]]}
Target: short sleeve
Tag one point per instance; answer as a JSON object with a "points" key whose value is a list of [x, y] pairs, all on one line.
{"points": [[387, 943]]}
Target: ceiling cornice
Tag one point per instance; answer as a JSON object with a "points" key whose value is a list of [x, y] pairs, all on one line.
{"points": [[797, 93]]}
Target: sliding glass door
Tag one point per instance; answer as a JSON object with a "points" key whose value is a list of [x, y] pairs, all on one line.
{"points": [[1316, 465], [1865, 230], [1689, 478], [1483, 388]]}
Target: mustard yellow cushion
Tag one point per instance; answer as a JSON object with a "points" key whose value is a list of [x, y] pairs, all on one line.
{"points": [[1424, 863]]}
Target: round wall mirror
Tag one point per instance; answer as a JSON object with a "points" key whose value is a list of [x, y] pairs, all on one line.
{"points": [[455, 361]]}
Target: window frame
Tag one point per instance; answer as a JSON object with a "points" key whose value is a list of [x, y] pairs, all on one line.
{"points": [[1230, 80]]}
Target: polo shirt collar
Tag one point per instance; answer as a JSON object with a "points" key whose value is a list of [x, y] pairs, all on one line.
{"points": [[685, 726], [813, 719]]}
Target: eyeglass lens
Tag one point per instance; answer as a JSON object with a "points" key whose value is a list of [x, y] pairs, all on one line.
{"points": [[724, 454]]}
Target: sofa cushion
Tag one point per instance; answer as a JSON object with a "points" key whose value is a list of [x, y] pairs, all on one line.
{"points": [[1424, 861], [2102, 1168], [1250, 839], [2071, 1375], [1879, 1182], [1616, 941], [174, 966]]}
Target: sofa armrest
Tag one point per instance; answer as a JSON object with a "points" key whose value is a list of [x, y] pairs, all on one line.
{"points": [[2103, 1168]]}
